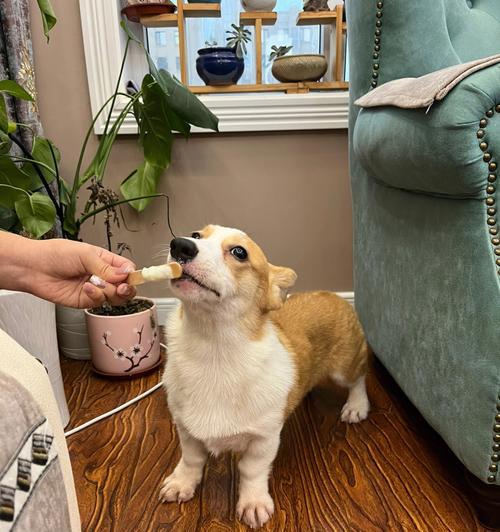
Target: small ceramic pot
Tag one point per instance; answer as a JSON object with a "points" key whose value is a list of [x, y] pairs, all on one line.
{"points": [[124, 345], [72, 333], [293, 68], [258, 5], [219, 66]]}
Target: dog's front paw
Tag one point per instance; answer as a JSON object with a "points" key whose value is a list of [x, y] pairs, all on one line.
{"points": [[355, 410], [178, 487], [255, 510]]}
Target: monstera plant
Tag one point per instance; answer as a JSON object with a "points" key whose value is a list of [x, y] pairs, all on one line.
{"points": [[35, 197]]}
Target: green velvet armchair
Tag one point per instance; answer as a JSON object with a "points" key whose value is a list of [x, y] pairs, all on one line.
{"points": [[426, 227]]}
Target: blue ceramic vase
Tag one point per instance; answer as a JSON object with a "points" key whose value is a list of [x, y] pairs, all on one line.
{"points": [[219, 66]]}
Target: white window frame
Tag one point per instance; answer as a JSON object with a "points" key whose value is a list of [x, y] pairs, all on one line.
{"points": [[104, 44]]}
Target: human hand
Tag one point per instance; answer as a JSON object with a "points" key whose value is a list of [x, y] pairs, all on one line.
{"points": [[61, 270]]}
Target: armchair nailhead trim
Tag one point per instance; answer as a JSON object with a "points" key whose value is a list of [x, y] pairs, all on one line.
{"points": [[492, 224], [376, 49]]}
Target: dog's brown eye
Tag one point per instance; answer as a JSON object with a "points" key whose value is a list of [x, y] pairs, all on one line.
{"points": [[239, 253], [196, 235]]}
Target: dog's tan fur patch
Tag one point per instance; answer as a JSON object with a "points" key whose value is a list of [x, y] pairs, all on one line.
{"points": [[325, 338]]}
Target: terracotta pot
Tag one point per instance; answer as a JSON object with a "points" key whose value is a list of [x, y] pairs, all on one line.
{"points": [[72, 333], [135, 9], [293, 68], [258, 5], [124, 345]]}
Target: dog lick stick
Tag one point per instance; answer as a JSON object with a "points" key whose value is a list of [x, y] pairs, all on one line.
{"points": [[172, 270]]}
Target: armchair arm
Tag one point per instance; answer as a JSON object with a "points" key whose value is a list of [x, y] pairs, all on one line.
{"points": [[436, 151]]}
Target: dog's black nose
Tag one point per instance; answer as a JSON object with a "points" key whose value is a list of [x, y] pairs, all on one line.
{"points": [[183, 249]]}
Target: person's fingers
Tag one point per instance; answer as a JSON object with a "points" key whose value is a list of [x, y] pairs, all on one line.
{"points": [[117, 261], [91, 296], [113, 296], [95, 264], [126, 290]]}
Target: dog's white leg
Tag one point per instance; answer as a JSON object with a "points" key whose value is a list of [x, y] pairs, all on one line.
{"points": [[255, 506], [357, 405], [181, 484]]}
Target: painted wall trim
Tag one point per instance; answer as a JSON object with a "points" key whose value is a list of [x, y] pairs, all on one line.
{"points": [[104, 43], [166, 305]]}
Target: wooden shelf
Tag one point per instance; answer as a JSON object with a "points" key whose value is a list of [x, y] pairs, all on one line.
{"points": [[249, 18], [299, 87], [202, 10], [258, 19], [310, 18], [169, 20]]}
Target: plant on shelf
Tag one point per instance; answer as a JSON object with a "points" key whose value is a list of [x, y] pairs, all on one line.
{"points": [[224, 65], [316, 5], [295, 68], [238, 38], [279, 51]]}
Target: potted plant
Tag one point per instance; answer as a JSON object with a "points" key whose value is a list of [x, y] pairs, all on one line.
{"points": [[125, 340], [35, 199], [316, 5], [258, 5], [224, 65], [295, 68]]}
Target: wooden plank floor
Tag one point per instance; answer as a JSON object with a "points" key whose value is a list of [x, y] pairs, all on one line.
{"points": [[389, 473]]}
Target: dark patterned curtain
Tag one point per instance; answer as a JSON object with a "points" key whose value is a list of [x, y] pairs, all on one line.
{"points": [[16, 62]]}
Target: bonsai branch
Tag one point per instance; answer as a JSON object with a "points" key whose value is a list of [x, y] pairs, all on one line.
{"points": [[138, 363]]}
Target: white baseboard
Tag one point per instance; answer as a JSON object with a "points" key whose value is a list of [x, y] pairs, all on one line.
{"points": [[166, 305]]}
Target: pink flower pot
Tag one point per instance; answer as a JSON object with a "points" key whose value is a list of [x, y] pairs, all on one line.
{"points": [[124, 345]]}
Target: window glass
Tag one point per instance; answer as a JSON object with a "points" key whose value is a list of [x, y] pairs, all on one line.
{"points": [[164, 42]]}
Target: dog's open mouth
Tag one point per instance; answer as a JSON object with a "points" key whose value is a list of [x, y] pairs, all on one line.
{"points": [[187, 277]]}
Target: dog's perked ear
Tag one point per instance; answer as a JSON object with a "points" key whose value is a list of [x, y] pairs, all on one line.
{"points": [[280, 280]]}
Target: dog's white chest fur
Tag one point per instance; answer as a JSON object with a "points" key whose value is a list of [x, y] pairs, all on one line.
{"points": [[224, 388]]}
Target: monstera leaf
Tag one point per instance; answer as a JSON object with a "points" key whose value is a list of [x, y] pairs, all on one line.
{"points": [[48, 16], [154, 127], [184, 106], [42, 152], [143, 182], [11, 175], [37, 213], [14, 89]]}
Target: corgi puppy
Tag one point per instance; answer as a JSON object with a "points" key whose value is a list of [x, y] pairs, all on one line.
{"points": [[241, 356]]}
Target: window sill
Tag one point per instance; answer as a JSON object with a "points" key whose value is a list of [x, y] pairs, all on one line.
{"points": [[269, 112], [103, 42]]}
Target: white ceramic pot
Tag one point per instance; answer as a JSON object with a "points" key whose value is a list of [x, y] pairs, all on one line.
{"points": [[258, 5], [72, 333]]}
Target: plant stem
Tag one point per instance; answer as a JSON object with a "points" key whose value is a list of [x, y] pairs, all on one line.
{"points": [[120, 202], [114, 131], [125, 53], [58, 177], [85, 142], [50, 194], [17, 159]]}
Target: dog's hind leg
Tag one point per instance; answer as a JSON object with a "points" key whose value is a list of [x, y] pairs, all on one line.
{"points": [[353, 377], [357, 405]]}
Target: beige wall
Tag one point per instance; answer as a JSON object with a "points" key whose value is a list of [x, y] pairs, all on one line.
{"points": [[290, 191]]}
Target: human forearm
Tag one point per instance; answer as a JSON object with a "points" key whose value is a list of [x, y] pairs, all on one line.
{"points": [[17, 261]]}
